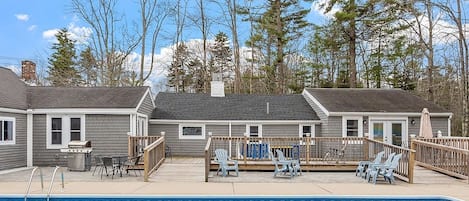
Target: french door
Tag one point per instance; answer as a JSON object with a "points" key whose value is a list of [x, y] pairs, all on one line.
{"points": [[390, 132]]}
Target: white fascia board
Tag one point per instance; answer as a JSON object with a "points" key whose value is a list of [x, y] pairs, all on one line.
{"points": [[315, 101], [86, 111], [10, 110], [227, 122], [387, 114]]}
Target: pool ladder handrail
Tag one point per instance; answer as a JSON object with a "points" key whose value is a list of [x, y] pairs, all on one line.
{"points": [[52, 181], [30, 181]]}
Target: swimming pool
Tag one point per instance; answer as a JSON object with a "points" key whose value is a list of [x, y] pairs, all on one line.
{"points": [[222, 198]]}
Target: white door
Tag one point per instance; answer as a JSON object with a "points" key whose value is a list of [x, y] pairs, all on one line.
{"points": [[389, 132]]}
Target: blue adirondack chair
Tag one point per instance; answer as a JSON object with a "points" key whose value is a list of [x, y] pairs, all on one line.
{"points": [[386, 171], [281, 166], [293, 164], [225, 164], [374, 166], [362, 165]]}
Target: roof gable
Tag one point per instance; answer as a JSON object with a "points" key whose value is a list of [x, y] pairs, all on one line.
{"points": [[372, 100], [180, 106], [12, 90]]}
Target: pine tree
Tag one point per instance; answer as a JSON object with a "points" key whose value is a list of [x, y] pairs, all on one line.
{"points": [[62, 70], [221, 56], [87, 67], [177, 78]]}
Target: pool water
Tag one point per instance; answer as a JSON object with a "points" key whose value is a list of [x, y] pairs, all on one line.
{"points": [[220, 198]]}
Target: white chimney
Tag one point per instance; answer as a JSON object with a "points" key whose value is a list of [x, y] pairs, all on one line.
{"points": [[218, 87]]}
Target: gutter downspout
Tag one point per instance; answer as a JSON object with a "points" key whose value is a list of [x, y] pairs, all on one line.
{"points": [[229, 135], [29, 138]]}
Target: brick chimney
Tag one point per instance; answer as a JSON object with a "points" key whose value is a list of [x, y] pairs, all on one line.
{"points": [[28, 70]]}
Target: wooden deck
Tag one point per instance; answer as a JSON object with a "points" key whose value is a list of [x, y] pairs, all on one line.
{"points": [[181, 169]]}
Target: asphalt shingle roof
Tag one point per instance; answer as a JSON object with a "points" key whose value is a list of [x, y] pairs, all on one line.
{"points": [[12, 90], [82, 97], [187, 106], [372, 100]]}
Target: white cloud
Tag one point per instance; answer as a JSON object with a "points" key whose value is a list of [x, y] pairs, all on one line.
{"points": [[22, 17], [319, 7], [79, 34], [32, 27], [50, 34], [443, 31]]}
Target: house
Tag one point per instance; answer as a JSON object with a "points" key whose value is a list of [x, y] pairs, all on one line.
{"points": [[389, 115], [188, 118], [37, 122]]}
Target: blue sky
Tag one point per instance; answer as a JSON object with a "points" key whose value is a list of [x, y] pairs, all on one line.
{"points": [[27, 28]]}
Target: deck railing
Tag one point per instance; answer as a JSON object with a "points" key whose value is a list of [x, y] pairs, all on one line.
{"points": [[138, 143], [405, 169], [307, 149], [446, 159], [153, 157], [310, 151], [458, 142], [153, 150]]}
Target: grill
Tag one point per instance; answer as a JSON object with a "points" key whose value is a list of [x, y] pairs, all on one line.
{"points": [[79, 155]]}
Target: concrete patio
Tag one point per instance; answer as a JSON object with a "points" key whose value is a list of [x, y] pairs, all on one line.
{"points": [[184, 176]]}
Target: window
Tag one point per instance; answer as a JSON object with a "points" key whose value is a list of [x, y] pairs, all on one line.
{"points": [[75, 129], [254, 130], [191, 131], [7, 130], [352, 127], [56, 131], [305, 129], [61, 129]]}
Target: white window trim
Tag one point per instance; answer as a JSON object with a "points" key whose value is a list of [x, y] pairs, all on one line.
{"points": [[65, 130], [313, 129], [248, 130], [313, 132], [201, 137], [145, 124], [344, 125], [9, 142]]}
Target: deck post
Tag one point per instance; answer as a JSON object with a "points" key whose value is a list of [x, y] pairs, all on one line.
{"points": [[308, 144], [245, 147], [146, 165], [130, 147], [366, 149], [411, 162], [164, 144]]}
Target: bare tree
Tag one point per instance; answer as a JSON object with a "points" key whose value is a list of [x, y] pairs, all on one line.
{"points": [[110, 41], [153, 15]]}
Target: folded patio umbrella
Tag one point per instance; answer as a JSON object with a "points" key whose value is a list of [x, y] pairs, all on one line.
{"points": [[425, 124]]}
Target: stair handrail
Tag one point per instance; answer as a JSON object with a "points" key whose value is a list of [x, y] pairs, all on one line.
{"points": [[52, 181], [31, 179]]}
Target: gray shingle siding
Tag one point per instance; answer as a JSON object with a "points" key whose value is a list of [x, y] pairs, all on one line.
{"points": [[218, 130], [147, 106], [12, 156], [185, 147], [41, 155], [438, 123], [179, 147], [108, 133], [280, 130], [333, 127]]}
